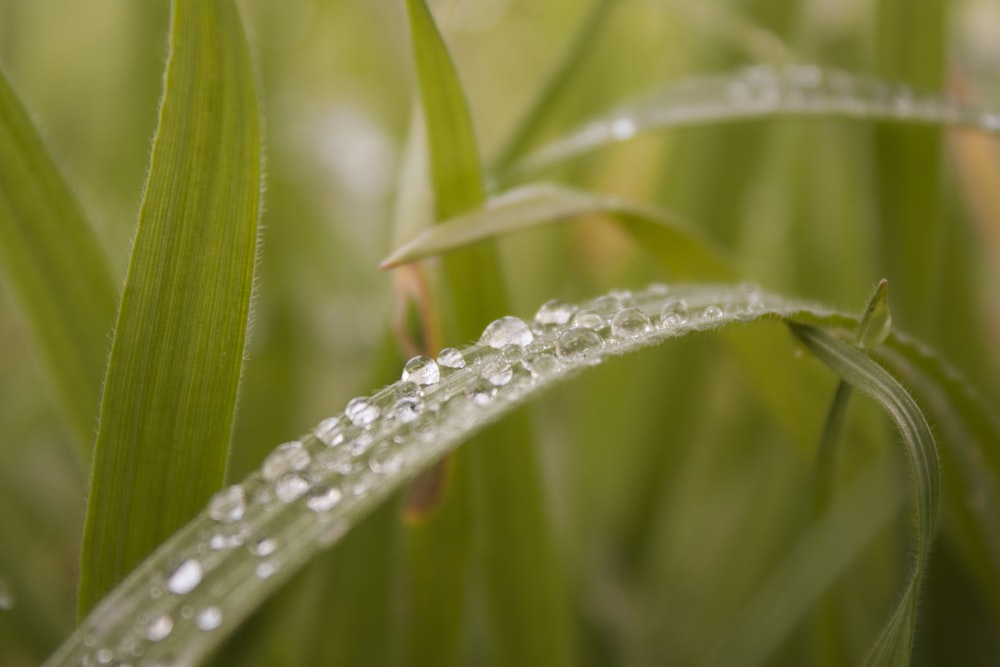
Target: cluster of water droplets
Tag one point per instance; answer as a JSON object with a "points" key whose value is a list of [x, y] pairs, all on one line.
{"points": [[766, 90], [307, 492]]}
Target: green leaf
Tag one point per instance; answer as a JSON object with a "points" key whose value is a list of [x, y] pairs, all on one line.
{"points": [[55, 267], [761, 92], [895, 644], [170, 393], [876, 321], [388, 452]]}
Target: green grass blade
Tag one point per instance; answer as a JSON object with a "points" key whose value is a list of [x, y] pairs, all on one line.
{"points": [[170, 392], [308, 494], [761, 92], [54, 265], [895, 643]]}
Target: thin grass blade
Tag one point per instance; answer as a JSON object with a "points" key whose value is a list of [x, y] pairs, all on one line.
{"points": [[54, 265], [170, 393]]}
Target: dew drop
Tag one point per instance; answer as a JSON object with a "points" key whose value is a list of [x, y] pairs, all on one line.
{"points": [[290, 487], [449, 357], [480, 391], [606, 306], [323, 498], [498, 373], [712, 314], [629, 323], [289, 457], [587, 319], [554, 312], [267, 569], [674, 314], [262, 546], [422, 371], [579, 345], [623, 128], [185, 577], [513, 354], [104, 656], [328, 430], [159, 628], [407, 390], [361, 411], [507, 331], [208, 619], [386, 461], [407, 410], [228, 505], [541, 365], [361, 444]]}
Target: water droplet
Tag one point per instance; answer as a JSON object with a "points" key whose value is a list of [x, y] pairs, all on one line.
{"points": [[480, 391], [507, 331], [219, 541], [449, 357], [290, 487], [605, 306], [323, 498], [267, 569], [541, 365], [228, 505], [513, 354], [587, 319], [361, 411], [623, 128], [407, 409], [712, 314], [629, 323], [407, 390], [674, 314], [422, 371], [262, 546], [289, 457], [185, 577], [498, 373], [159, 628], [361, 444], [387, 460], [208, 619], [554, 312], [579, 345], [104, 656], [328, 431]]}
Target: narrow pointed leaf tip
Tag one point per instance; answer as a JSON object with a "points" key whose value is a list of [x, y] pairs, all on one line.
{"points": [[876, 322], [194, 590], [176, 358]]}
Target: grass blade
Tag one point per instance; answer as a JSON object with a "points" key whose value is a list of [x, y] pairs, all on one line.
{"points": [[55, 267], [356, 459], [170, 393], [760, 92]]}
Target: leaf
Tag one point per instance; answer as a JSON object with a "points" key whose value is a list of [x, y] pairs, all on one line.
{"points": [[170, 392], [380, 453], [760, 92], [54, 266], [876, 321]]}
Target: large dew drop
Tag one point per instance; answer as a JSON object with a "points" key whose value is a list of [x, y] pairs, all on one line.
{"points": [[185, 577], [579, 345], [449, 357], [289, 457], [554, 312], [323, 498], [159, 628], [228, 505], [290, 487], [361, 411], [629, 323], [208, 619], [421, 371], [507, 331]]}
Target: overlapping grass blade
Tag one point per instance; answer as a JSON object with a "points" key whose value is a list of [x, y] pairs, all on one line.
{"points": [[759, 92], [389, 451], [54, 265], [170, 393], [526, 604]]}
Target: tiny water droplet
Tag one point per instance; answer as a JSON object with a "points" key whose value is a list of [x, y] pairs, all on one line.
{"points": [[480, 391], [422, 371], [629, 323], [289, 457], [185, 577], [361, 411], [104, 656], [541, 365], [262, 546], [407, 409], [554, 312], [323, 498], [159, 628], [587, 319], [228, 505], [712, 314], [290, 487], [361, 444], [507, 331], [605, 306], [674, 314], [449, 357], [208, 619], [267, 569], [513, 354], [498, 373], [579, 345], [328, 430], [407, 390]]}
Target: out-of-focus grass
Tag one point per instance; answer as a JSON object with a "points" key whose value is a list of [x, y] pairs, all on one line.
{"points": [[703, 465]]}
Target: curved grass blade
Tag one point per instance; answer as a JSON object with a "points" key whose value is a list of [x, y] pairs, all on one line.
{"points": [[55, 267], [760, 92], [531, 205], [895, 644], [170, 393], [308, 493]]}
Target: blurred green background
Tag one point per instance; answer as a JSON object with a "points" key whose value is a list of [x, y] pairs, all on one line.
{"points": [[675, 480]]}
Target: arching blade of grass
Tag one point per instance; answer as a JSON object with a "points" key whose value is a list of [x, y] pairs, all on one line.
{"points": [[309, 492], [54, 265], [531, 205], [527, 607], [170, 392], [760, 92]]}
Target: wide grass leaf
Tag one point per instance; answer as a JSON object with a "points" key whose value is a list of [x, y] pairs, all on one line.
{"points": [[170, 393], [54, 265]]}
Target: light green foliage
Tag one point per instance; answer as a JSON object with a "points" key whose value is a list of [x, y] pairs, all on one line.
{"points": [[720, 498]]}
